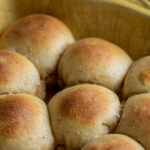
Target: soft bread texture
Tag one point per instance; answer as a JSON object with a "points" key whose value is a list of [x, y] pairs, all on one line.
{"points": [[93, 60], [138, 78], [82, 113], [40, 38], [113, 142], [19, 75], [135, 120], [24, 123]]}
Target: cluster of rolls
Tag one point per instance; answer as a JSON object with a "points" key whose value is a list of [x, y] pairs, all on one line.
{"points": [[38, 52]]}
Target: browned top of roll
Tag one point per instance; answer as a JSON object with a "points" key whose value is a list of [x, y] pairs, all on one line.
{"points": [[24, 123], [18, 115], [93, 60], [38, 28], [39, 37], [12, 66], [85, 104], [19, 75]]}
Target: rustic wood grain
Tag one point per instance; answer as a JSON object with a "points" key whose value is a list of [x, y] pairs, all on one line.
{"points": [[121, 23], [142, 3], [118, 21]]}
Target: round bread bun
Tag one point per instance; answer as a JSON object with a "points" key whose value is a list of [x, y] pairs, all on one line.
{"points": [[113, 142], [135, 120], [93, 60], [138, 78], [82, 113], [19, 75], [24, 123], [40, 38]]}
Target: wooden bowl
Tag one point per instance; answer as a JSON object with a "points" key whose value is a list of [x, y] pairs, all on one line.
{"points": [[123, 22], [119, 21]]}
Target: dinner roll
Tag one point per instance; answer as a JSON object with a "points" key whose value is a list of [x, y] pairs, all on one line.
{"points": [[138, 78], [82, 113], [135, 120], [93, 60], [19, 75], [42, 39], [113, 142], [24, 123]]}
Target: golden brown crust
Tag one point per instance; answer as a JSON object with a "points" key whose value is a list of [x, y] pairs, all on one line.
{"points": [[81, 113], [90, 49], [141, 113], [39, 28], [135, 120], [94, 50], [95, 61], [24, 123], [84, 104], [40, 38], [137, 80], [18, 115], [144, 76], [11, 66], [19, 75]]}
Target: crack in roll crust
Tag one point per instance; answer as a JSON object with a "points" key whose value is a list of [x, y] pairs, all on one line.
{"points": [[82, 113]]}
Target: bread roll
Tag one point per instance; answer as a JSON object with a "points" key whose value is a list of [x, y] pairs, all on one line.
{"points": [[24, 123], [82, 113], [135, 120], [92, 60], [138, 78], [19, 75], [113, 142], [40, 38]]}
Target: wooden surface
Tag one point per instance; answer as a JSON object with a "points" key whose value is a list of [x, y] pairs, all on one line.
{"points": [[11, 10], [126, 25], [119, 21], [142, 3]]}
